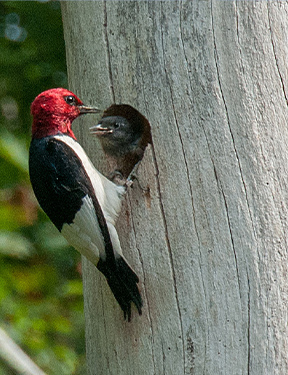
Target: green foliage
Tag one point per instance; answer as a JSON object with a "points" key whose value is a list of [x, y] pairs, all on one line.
{"points": [[41, 290]]}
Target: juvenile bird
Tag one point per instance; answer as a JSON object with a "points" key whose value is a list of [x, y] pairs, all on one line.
{"points": [[124, 134], [79, 200]]}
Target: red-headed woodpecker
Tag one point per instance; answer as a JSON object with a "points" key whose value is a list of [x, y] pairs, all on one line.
{"points": [[80, 201], [124, 134]]}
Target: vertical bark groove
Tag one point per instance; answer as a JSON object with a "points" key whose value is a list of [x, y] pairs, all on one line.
{"points": [[210, 247], [167, 238], [108, 50], [275, 56], [144, 287]]}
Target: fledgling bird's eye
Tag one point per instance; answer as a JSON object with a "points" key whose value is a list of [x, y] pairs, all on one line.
{"points": [[70, 100]]}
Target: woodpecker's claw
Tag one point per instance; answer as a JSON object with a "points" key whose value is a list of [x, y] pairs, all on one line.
{"points": [[117, 177], [134, 176]]}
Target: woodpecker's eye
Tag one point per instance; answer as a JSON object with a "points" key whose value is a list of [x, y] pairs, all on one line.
{"points": [[70, 100]]}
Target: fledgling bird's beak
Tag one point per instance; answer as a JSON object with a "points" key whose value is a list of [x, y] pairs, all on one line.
{"points": [[100, 130], [85, 109]]}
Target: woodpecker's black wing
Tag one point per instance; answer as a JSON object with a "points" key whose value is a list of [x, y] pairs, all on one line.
{"points": [[61, 183]]}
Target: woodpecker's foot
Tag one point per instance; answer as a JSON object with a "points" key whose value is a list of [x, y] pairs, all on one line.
{"points": [[133, 176], [117, 177], [130, 181]]}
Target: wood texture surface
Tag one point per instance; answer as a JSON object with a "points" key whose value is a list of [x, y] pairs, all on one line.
{"points": [[209, 242]]}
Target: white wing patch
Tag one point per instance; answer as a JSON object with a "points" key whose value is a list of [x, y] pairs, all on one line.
{"points": [[109, 195], [84, 233]]}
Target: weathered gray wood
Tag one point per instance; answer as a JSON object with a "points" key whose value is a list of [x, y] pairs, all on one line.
{"points": [[210, 243]]}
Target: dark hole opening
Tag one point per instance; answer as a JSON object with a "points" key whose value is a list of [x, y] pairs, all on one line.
{"points": [[124, 134]]}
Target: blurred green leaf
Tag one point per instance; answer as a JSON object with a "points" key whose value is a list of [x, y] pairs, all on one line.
{"points": [[14, 244], [14, 151], [41, 303], [73, 288]]}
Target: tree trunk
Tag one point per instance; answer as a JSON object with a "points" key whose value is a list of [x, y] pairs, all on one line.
{"points": [[209, 241]]}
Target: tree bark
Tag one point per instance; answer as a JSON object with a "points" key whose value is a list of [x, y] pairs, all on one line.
{"points": [[210, 241]]}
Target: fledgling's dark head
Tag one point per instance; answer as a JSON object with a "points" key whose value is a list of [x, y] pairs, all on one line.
{"points": [[117, 135], [54, 110], [123, 132]]}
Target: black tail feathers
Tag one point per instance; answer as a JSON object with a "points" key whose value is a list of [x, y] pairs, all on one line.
{"points": [[122, 281]]}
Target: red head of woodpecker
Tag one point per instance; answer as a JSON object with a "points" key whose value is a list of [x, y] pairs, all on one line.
{"points": [[54, 110], [80, 201]]}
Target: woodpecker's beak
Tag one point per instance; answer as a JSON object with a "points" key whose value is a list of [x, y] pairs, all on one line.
{"points": [[85, 109], [100, 130]]}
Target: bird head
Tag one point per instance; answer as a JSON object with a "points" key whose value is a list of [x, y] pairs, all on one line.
{"points": [[113, 127], [117, 134], [54, 110]]}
